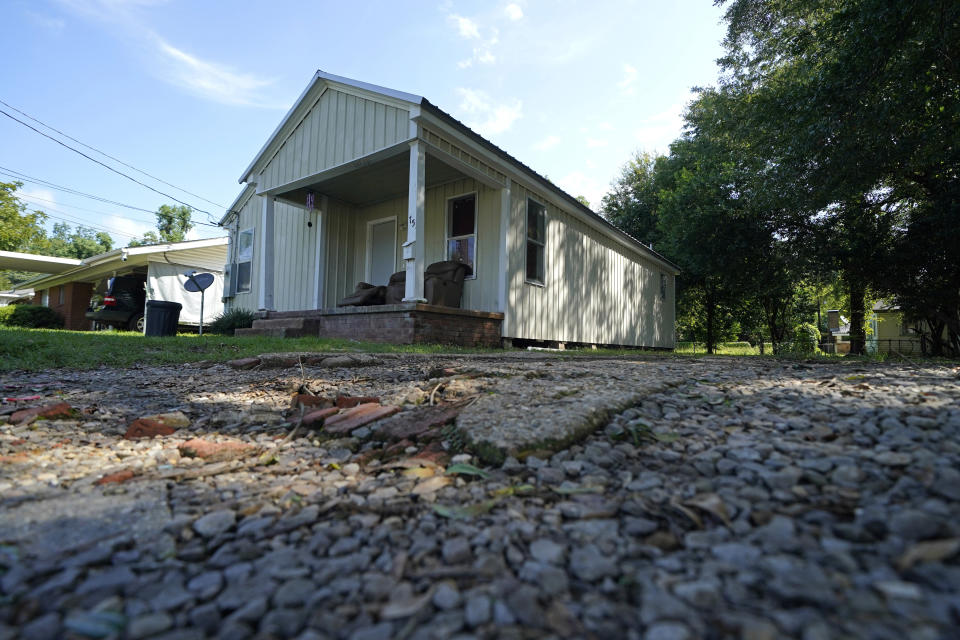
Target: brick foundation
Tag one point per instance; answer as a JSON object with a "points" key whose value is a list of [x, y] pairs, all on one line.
{"points": [[397, 324]]}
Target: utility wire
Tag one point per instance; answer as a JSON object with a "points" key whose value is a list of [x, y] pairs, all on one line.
{"points": [[103, 164], [107, 155], [73, 206], [17, 175], [78, 218]]}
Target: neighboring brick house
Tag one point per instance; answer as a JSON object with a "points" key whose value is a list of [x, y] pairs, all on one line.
{"points": [[70, 300]]}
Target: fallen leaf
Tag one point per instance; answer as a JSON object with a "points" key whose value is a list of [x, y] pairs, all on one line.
{"points": [[929, 551], [513, 489], [419, 472], [406, 608], [431, 485], [689, 513], [466, 469], [712, 504]]}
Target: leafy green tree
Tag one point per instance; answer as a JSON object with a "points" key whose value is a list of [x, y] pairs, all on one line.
{"points": [[633, 200], [19, 229], [173, 224], [80, 242], [855, 107]]}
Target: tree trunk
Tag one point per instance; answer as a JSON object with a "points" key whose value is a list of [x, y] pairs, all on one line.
{"points": [[858, 336]]}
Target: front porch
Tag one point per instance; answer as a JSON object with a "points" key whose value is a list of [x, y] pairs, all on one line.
{"points": [[407, 323]]}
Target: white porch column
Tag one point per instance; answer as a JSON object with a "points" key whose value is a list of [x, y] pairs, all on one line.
{"points": [[413, 249], [266, 255], [320, 252]]}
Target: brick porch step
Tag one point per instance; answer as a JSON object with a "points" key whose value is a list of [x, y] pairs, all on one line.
{"points": [[296, 327]]}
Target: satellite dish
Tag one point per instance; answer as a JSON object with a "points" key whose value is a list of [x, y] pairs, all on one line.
{"points": [[198, 282]]}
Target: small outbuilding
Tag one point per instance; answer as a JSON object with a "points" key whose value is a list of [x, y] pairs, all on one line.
{"points": [[361, 183]]}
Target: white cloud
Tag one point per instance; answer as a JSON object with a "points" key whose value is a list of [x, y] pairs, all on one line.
{"points": [[126, 226], [596, 143], [629, 79], [485, 117], [513, 11], [659, 130], [578, 183], [208, 79], [467, 27], [547, 143]]}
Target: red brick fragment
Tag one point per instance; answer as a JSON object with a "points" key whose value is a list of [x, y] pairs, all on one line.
{"points": [[197, 448], [396, 450], [317, 418], [49, 411], [348, 402], [433, 453], [244, 363], [147, 428], [116, 478], [15, 458], [357, 417]]}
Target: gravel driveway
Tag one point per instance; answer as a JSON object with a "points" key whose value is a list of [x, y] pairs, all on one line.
{"points": [[517, 496]]}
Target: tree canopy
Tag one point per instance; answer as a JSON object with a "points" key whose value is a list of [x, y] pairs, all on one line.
{"points": [[19, 229], [830, 148], [173, 224]]}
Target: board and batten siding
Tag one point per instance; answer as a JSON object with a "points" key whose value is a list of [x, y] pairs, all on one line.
{"points": [[480, 293], [293, 254], [248, 217], [340, 127], [595, 290]]}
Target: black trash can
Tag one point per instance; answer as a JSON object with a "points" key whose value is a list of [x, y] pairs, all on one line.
{"points": [[162, 318]]}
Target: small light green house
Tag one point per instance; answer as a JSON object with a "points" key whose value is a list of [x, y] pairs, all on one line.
{"points": [[359, 181]]}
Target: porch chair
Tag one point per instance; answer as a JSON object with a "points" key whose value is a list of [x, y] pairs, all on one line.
{"points": [[442, 284], [364, 295]]}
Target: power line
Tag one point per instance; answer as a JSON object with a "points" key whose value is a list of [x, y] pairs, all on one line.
{"points": [[17, 175], [78, 220], [73, 206], [103, 153], [103, 164], [65, 217]]}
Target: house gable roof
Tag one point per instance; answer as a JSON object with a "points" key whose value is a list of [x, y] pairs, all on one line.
{"points": [[321, 79]]}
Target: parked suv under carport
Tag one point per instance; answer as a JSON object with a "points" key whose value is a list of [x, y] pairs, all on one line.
{"points": [[123, 303]]}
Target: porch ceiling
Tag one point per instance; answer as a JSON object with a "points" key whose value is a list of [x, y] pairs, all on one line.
{"points": [[382, 180]]}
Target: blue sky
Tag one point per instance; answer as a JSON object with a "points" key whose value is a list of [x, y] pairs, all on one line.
{"points": [[189, 91]]}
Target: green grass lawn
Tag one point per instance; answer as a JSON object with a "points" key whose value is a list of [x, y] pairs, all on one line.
{"points": [[36, 349]]}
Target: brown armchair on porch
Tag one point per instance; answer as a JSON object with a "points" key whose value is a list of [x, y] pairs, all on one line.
{"points": [[442, 284]]}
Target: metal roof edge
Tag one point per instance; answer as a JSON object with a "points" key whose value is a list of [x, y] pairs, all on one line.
{"points": [[476, 137], [239, 202]]}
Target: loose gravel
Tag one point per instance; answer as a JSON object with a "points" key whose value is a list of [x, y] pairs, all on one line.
{"points": [[639, 497]]}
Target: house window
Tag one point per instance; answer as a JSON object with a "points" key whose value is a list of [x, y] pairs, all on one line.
{"points": [[60, 295], [462, 230], [536, 241], [244, 260], [45, 298]]}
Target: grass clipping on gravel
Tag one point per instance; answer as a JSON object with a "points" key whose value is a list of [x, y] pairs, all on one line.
{"points": [[37, 349]]}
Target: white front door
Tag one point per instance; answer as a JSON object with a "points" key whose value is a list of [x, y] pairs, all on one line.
{"points": [[381, 250]]}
